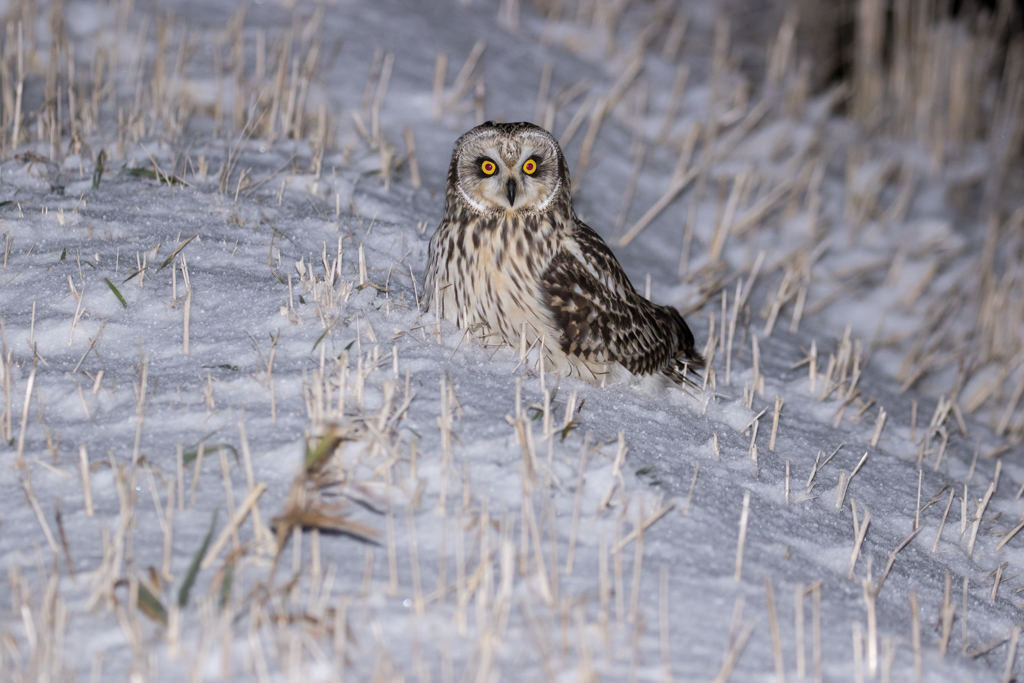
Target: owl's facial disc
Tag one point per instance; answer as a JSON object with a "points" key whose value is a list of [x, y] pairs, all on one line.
{"points": [[498, 175]]}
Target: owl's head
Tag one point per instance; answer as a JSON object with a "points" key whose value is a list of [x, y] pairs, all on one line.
{"points": [[508, 167]]}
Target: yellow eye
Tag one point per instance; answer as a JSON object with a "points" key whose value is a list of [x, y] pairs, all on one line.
{"points": [[488, 167], [530, 167]]}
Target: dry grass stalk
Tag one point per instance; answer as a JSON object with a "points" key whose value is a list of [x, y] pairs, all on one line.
{"points": [[577, 499], [798, 628], [19, 459], [440, 74], [543, 91], [231, 530], [782, 297], [738, 636], [812, 367], [676, 33], [640, 528], [725, 224], [671, 111], [879, 424], [627, 197], [414, 561], [872, 636], [389, 534], [693, 483], [666, 650], [140, 407], [844, 482], [758, 377], [378, 98], [638, 556], [775, 425], [976, 522], [530, 519], [786, 497], [261, 532], [26, 483], [186, 317], [620, 457], [596, 118], [414, 166], [938, 534], [858, 653], [683, 165], [1011, 655], [860, 531], [781, 51], [18, 89], [576, 122], [816, 630], [773, 622], [996, 581], [620, 591], [742, 536], [464, 79], [86, 480], [917, 507], [168, 532], [1010, 534], [946, 614], [818, 467], [915, 630], [737, 300], [963, 620], [752, 449]]}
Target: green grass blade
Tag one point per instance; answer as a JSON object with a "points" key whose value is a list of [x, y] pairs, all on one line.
{"points": [[323, 449], [133, 275], [174, 253], [124, 304], [193, 569], [190, 455], [225, 586], [97, 174], [151, 605], [153, 175], [142, 173], [323, 334]]}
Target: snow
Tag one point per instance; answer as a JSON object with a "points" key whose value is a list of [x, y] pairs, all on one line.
{"points": [[300, 292]]}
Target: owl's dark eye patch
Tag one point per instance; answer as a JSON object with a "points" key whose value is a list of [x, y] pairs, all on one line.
{"points": [[485, 166], [538, 166]]}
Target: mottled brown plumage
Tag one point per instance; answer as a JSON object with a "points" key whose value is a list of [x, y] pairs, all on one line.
{"points": [[511, 257]]}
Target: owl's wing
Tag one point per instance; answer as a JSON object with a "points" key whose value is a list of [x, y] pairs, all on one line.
{"points": [[603, 319]]}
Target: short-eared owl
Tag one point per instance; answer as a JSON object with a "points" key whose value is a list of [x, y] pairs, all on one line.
{"points": [[511, 254]]}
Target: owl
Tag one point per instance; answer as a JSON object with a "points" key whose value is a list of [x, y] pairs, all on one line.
{"points": [[511, 259]]}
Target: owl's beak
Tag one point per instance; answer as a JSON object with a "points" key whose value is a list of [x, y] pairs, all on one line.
{"points": [[510, 191]]}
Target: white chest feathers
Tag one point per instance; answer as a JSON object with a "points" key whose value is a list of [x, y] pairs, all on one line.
{"points": [[488, 280]]}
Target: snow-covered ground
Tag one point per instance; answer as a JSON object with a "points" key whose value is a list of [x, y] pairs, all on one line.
{"points": [[233, 294]]}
